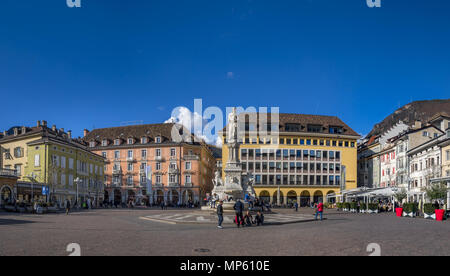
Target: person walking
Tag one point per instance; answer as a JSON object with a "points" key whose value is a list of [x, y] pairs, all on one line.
{"points": [[67, 206], [319, 211], [296, 206], [239, 208], [220, 214]]}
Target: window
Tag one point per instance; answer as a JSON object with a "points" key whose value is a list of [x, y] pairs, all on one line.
{"points": [[130, 180], [335, 130], [130, 141], [144, 140], [188, 179], [37, 161], [104, 154], [314, 128], [188, 166], [292, 127], [91, 144], [158, 152], [130, 154], [158, 166], [63, 162], [425, 134], [18, 169], [116, 154], [172, 178], [18, 152], [104, 143], [158, 140], [144, 154], [173, 152], [448, 155], [71, 163], [117, 142], [130, 167]]}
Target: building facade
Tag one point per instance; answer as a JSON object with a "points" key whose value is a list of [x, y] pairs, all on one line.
{"points": [[145, 165], [310, 157], [50, 157], [8, 181]]}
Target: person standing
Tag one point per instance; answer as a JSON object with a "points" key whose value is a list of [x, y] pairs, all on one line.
{"points": [[296, 206], [239, 208], [319, 211], [220, 214]]}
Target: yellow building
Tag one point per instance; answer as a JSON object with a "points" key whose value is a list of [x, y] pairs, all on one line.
{"points": [[302, 158]]}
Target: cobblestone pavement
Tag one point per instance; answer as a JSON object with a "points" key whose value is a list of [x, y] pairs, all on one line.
{"points": [[122, 232]]}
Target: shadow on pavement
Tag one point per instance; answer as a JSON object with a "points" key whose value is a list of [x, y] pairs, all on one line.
{"points": [[14, 222]]}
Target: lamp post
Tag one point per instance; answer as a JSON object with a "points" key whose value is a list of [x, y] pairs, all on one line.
{"points": [[77, 181], [32, 177]]}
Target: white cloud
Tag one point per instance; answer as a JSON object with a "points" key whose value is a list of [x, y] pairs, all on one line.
{"points": [[183, 116]]}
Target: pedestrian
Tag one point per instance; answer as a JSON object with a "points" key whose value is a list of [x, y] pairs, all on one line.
{"points": [[296, 206], [239, 208], [248, 219], [319, 211], [67, 206], [259, 219], [220, 214]]}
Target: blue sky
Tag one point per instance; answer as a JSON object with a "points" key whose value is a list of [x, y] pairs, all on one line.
{"points": [[116, 61]]}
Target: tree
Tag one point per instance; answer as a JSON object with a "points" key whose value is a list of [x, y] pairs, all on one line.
{"points": [[401, 195], [436, 191]]}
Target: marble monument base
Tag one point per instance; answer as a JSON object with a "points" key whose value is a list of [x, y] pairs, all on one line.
{"points": [[228, 207]]}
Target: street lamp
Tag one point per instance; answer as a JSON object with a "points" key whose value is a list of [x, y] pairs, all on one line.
{"points": [[32, 177], [77, 182]]}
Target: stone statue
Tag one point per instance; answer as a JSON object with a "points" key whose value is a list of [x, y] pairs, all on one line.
{"points": [[217, 179], [232, 125]]}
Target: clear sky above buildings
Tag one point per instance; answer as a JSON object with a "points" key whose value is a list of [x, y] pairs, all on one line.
{"points": [[115, 61]]}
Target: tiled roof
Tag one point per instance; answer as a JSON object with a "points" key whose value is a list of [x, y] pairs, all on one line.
{"points": [[304, 120], [135, 131]]}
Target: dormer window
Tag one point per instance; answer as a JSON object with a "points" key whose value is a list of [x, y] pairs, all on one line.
{"points": [[91, 144], [104, 143], [315, 128], [130, 141], [158, 140], [117, 142], [336, 130], [144, 140]]}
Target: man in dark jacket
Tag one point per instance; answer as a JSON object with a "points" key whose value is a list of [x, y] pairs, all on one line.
{"points": [[220, 214], [239, 209]]}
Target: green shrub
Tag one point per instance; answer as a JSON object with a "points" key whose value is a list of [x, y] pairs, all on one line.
{"points": [[353, 205], [363, 206], [346, 205], [410, 207], [373, 206], [340, 205], [428, 208]]}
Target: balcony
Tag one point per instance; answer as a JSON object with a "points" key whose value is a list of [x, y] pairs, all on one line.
{"points": [[191, 157], [131, 159], [117, 171], [159, 158], [116, 184], [174, 170], [8, 173], [189, 185], [174, 184]]}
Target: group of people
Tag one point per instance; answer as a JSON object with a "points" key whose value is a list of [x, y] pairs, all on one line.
{"points": [[240, 219]]}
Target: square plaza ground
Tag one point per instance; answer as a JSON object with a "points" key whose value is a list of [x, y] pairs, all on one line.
{"points": [[124, 232]]}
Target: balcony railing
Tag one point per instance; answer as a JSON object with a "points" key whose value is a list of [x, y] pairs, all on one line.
{"points": [[189, 184], [8, 172], [191, 157], [159, 158]]}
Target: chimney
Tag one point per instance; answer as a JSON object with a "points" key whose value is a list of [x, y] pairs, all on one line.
{"points": [[38, 123], [4, 133], [16, 131], [61, 130], [44, 123], [417, 124], [85, 132], [54, 127], [69, 134]]}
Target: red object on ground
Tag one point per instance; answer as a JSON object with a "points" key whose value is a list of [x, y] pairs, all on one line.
{"points": [[399, 212], [440, 215]]}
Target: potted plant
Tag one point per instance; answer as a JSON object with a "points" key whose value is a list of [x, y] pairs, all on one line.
{"points": [[363, 208], [429, 211], [346, 206], [340, 206], [436, 192], [373, 208], [353, 207], [409, 209], [400, 196]]}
